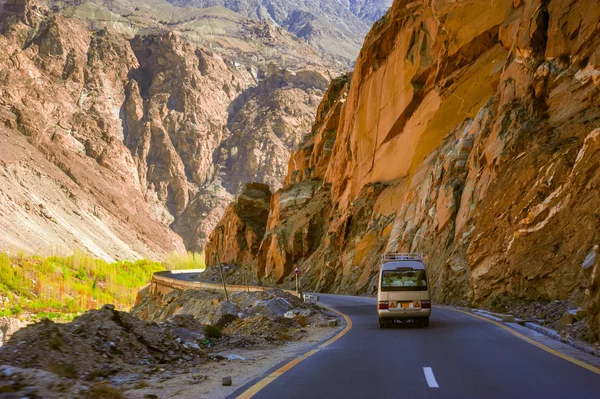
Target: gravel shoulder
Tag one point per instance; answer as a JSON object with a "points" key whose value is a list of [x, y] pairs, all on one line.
{"points": [[206, 381]]}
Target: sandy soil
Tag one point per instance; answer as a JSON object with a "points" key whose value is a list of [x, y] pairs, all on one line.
{"points": [[206, 381]]}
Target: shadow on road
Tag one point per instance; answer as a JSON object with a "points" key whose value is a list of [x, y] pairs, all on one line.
{"points": [[407, 325], [435, 323]]}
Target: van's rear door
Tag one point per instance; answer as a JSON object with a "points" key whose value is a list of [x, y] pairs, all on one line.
{"points": [[402, 301]]}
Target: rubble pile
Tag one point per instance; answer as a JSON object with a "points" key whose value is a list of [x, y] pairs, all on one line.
{"points": [[106, 353], [251, 318], [103, 343], [105, 346]]}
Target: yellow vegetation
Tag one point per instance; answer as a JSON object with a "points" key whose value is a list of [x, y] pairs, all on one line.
{"points": [[58, 285]]}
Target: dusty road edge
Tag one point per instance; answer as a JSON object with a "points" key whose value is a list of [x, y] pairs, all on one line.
{"points": [[586, 365], [253, 387]]}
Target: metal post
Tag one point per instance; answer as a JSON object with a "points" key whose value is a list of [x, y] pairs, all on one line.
{"points": [[247, 280], [221, 268], [297, 292], [243, 275]]}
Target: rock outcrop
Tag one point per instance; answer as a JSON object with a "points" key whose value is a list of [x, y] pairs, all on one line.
{"points": [[469, 132], [240, 232], [8, 327]]}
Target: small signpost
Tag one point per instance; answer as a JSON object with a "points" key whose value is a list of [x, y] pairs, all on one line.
{"points": [[297, 273], [222, 228]]}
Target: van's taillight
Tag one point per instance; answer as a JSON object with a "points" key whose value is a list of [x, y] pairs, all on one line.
{"points": [[426, 304], [383, 305]]}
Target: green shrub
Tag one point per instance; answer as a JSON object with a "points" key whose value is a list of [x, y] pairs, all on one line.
{"points": [[16, 310], [212, 331]]}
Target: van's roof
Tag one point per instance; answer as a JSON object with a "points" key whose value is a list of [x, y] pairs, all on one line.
{"points": [[414, 264]]}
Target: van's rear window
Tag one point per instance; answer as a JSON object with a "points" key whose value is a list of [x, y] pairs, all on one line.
{"points": [[403, 280]]}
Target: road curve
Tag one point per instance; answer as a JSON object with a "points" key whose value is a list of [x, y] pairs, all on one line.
{"points": [[463, 356], [183, 275]]}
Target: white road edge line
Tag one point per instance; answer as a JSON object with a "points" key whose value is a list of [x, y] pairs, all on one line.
{"points": [[430, 377]]}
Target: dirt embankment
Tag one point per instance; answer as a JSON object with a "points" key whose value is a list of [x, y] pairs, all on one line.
{"points": [[188, 339]]}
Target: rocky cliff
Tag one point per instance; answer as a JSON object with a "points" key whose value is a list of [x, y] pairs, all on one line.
{"points": [[243, 226], [120, 127], [469, 131]]}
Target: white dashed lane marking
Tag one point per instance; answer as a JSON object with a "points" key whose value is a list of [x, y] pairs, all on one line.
{"points": [[430, 377]]}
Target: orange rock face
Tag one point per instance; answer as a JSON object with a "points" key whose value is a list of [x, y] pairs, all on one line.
{"points": [[468, 132]]}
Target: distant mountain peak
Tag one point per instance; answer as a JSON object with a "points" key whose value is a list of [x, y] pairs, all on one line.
{"points": [[335, 27]]}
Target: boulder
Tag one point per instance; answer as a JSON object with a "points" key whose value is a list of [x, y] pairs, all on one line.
{"points": [[294, 313], [9, 326], [566, 320], [225, 314], [273, 307]]}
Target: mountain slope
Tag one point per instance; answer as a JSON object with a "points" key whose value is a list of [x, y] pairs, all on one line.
{"points": [[470, 132], [55, 196], [119, 127], [334, 27], [369, 10]]}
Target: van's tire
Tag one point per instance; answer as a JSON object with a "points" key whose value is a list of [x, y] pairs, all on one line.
{"points": [[425, 322]]}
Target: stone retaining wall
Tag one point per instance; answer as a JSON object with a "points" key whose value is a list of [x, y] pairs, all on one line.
{"points": [[162, 284]]}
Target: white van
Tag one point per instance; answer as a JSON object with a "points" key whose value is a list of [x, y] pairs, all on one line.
{"points": [[403, 292]]}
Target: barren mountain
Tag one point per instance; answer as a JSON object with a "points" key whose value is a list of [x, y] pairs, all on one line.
{"points": [[334, 27], [121, 121], [368, 10], [469, 131]]}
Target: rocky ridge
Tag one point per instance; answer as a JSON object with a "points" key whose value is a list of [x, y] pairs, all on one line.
{"points": [[469, 132], [335, 28], [113, 138]]}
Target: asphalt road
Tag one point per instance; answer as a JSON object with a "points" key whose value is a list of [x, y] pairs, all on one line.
{"points": [[465, 357], [184, 276]]}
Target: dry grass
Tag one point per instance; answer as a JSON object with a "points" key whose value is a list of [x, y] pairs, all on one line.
{"points": [[105, 391], [285, 336], [303, 321], [190, 260]]}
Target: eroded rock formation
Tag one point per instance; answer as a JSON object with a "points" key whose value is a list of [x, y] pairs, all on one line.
{"points": [[243, 226], [469, 132]]}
